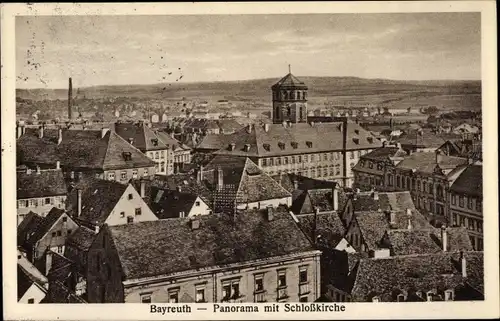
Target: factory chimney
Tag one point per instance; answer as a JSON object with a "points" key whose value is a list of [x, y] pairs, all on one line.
{"points": [[70, 100]]}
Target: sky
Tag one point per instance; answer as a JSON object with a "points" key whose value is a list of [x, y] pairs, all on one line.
{"points": [[120, 50]]}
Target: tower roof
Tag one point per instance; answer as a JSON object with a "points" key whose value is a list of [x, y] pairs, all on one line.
{"points": [[288, 82]]}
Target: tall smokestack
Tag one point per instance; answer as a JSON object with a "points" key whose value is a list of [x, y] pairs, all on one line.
{"points": [[70, 99]]}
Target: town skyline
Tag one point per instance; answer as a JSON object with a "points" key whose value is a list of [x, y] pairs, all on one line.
{"points": [[170, 49]]}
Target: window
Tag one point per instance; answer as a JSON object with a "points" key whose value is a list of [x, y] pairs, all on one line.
{"points": [[53, 234], [479, 205], [134, 173], [448, 295], [375, 299], [370, 165], [157, 155], [293, 159], [59, 233], [264, 162], [200, 294], [285, 160], [351, 155], [33, 202], [31, 301], [469, 203], [453, 199], [271, 161], [230, 290], [197, 203], [259, 283], [122, 214], [430, 296], [325, 156], [69, 232], [65, 219], [226, 291], [162, 154], [401, 298], [398, 181], [130, 219], [173, 296], [303, 299], [461, 201], [47, 201], [146, 298], [337, 169], [299, 159], [282, 279], [138, 211], [60, 249], [111, 176], [130, 196], [303, 275]]}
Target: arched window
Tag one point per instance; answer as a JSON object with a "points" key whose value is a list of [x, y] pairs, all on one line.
{"points": [[401, 298], [284, 95], [292, 95], [298, 95]]}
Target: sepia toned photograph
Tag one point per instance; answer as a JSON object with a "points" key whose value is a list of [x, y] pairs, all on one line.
{"points": [[311, 159]]}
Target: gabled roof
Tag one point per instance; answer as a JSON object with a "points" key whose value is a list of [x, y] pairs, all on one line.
{"points": [[30, 223], [289, 82], [81, 239], [405, 242], [384, 153], [40, 184], [171, 142], [295, 139], [426, 162], [470, 181], [303, 183], [99, 198], [162, 247], [388, 277], [143, 137], [308, 201], [169, 203], [425, 139], [86, 149], [24, 282], [45, 225], [246, 178], [328, 227]]}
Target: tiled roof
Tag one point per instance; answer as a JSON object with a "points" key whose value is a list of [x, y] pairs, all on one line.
{"points": [[171, 142], [81, 239], [45, 225], [99, 197], [42, 184], [458, 239], [405, 242], [307, 201], [169, 203], [470, 181], [24, 281], [303, 182], [388, 277], [29, 224], [59, 293], [298, 138], [289, 81], [166, 246], [143, 137], [229, 125], [250, 182], [328, 226], [214, 141], [84, 149], [187, 182], [427, 140], [384, 153], [426, 162]]}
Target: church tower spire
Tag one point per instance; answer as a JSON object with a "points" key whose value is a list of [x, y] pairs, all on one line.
{"points": [[289, 99]]}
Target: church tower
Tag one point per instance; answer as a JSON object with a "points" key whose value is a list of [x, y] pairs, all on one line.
{"points": [[289, 100]]}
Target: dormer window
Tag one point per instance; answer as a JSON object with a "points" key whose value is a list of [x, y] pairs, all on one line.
{"points": [[430, 296], [309, 144], [154, 141], [401, 298], [294, 145], [370, 140], [375, 299], [356, 141], [127, 156], [267, 147], [448, 295], [281, 145], [356, 131], [246, 148]]}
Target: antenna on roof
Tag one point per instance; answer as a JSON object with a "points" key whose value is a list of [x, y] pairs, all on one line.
{"points": [[289, 68]]}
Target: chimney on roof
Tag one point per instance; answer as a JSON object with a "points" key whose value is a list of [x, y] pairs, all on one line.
{"points": [[78, 202], [269, 213], [143, 189], [232, 146], [59, 136], [19, 131], [249, 128], [58, 165], [40, 131], [182, 214], [195, 224], [295, 184], [335, 198], [315, 225], [38, 170], [199, 174], [409, 216], [266, 127], [48, 261], [439, 157], [384, 143], [444, 238], [219, 179], [375, 195], [131, 141], [179, 188], [28, 171], [247, 148], [392, 217], [96, 229], [70, 99], [463, 264], [312, 124]]}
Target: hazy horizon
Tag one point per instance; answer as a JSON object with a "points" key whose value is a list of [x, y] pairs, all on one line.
{"points": [[148, 50]]}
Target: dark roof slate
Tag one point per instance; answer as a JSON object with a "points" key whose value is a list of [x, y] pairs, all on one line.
{"points": [[470, 181], [42, 184], [328, 226]]}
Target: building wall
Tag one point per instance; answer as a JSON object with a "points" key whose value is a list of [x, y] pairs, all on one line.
{"points": [[199, 208], [161, 158], [244, 277], [55, 239], [355, 238], [34, 293], [40, 205], [104, 273], [124, 175], [126, 208], [467, 211]]}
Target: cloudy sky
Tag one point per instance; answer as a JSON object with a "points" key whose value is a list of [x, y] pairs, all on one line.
{"points": [[109, 50]]}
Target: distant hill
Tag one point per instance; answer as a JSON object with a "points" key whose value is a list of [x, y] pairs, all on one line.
{"points": [[259, 89]]}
